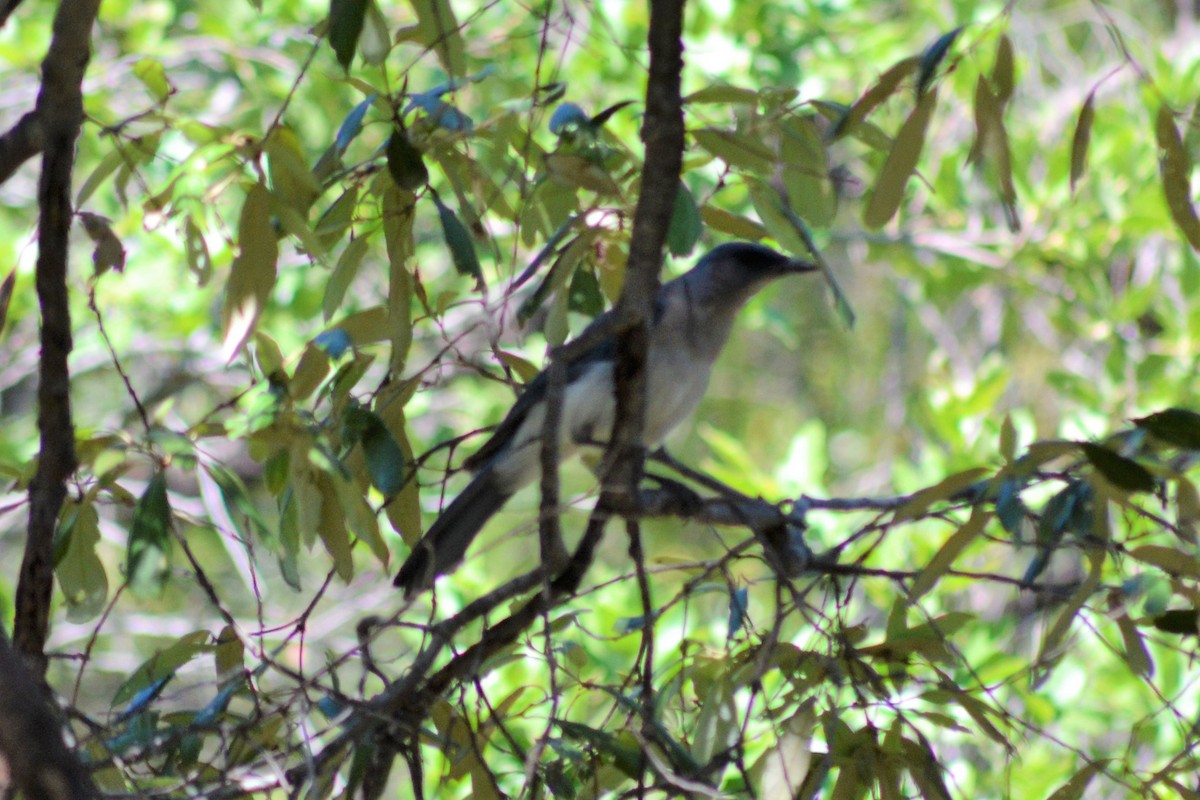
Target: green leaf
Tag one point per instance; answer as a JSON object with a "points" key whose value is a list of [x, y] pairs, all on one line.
{"points": [[163, 663], [345, 24], [1179, 427], [253, 273], [438, 29], [1082, 138], [723, 95], [1078, 784], [343, 275], [1168, 559], [375, 40], [1003, 73], [462, 249], [883, 88], [386, 463], [948, 553], [942, 490], [150, 540], [80, 572], [405, 163], [736, 149], [1180, 621], [1137, 656], [1120, 471], [153, 76], [686, 225], [1175, 169], [900, 164]]}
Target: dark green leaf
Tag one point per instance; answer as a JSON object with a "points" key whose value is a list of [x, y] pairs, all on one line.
{"points": [[345, 24], [585, 296], [462, 249], [932, 58], [405, 163], [686, 225], [1175, 426], [385, 460], [1181, 621], [1118, 470], [150, 539], [1082, 138]]}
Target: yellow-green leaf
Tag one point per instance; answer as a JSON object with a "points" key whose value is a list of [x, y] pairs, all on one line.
{"points": [[736, 149], [1137, 656], [721, 220], [253, 274], [942, 490], [725, 95], [342, 276], [949, 552], [438, 30], [1175, 169], [900, 163], [80, 573], [1168, 559]]}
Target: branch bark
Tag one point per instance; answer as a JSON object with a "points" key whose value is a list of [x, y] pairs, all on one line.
{"points": [[39, 763], [60, 115]]}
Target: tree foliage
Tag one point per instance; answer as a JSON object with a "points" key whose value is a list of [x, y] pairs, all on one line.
{"points": [[932, 532]]}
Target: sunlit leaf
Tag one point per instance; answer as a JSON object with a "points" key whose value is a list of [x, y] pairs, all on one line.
{"points": [[948, 554], [375, 40], [153, 76], [723, 95], [253, 274], [942, 490], [438, 29], [1168, 559]]}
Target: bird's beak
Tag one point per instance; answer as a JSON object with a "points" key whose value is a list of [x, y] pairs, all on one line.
{"points": [[800, 265]]}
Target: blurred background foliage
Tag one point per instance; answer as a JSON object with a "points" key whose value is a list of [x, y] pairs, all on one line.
{"points": [[324, 281]]}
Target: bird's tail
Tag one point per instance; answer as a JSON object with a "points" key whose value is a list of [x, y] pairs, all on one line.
{"points": [[446, 542]]}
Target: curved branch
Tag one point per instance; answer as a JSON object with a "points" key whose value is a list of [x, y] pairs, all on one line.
{"points": [[60, 115]]}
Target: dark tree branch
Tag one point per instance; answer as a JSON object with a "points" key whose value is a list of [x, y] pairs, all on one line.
{"points": [[40, 765], [20, 143], [60, 113]]}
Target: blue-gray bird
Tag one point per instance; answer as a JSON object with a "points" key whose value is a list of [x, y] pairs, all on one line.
{"points": [[693, 316]]}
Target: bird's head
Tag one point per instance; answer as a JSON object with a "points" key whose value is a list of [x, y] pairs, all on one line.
{"points": [[731, 273]]}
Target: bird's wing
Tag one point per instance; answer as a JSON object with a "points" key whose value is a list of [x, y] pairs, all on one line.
{"points": [[535, 392]]}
